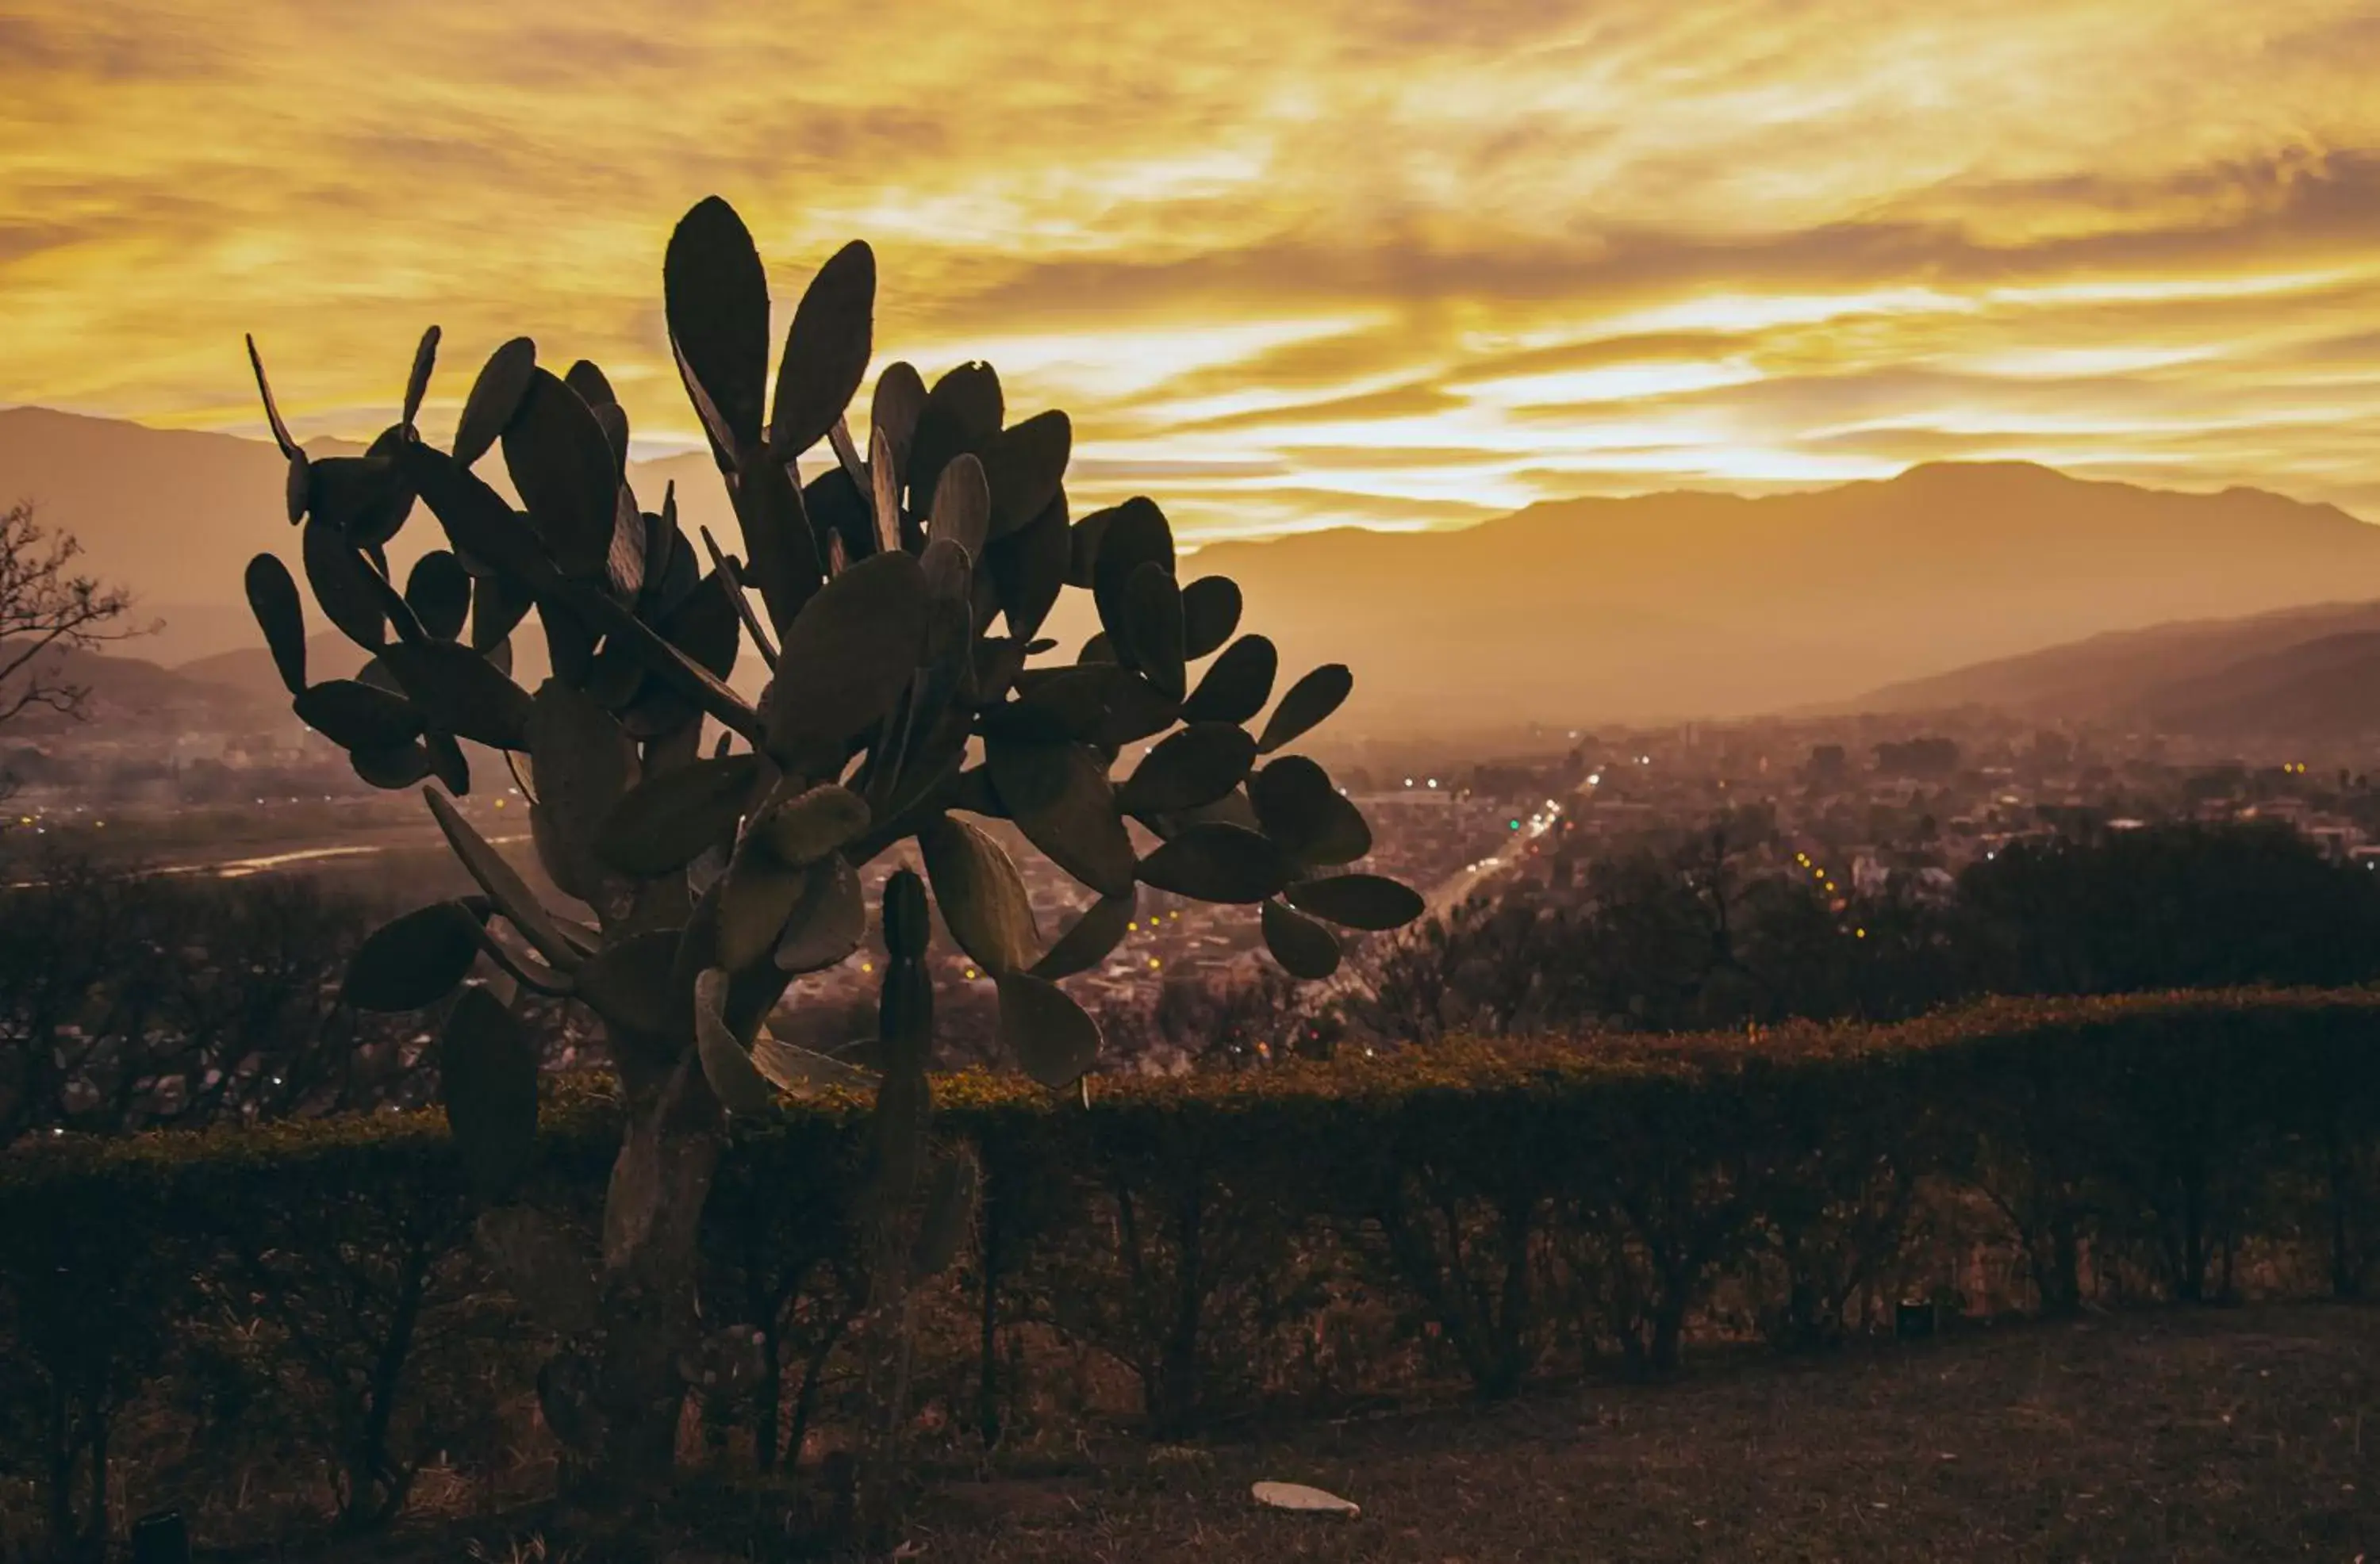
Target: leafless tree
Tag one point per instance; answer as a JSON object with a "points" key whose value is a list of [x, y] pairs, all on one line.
{"points": [[48, 607]]}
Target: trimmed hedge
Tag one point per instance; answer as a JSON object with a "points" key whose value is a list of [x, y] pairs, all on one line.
{"points": [[1319, 1232]]}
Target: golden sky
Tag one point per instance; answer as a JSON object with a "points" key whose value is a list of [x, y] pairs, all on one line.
{"points": [[1288, 263]]}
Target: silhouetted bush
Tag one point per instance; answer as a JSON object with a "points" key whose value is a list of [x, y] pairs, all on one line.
{"points": [[2123, 910], [1696, 936], [134, 1001], [1478, 1208]]}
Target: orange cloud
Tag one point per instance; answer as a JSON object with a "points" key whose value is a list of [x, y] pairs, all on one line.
{"points": [[1398, 262]]}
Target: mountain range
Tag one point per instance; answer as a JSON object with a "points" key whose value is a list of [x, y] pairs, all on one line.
{"points": [[1588, 611], [121, 691], [2300, 674]]}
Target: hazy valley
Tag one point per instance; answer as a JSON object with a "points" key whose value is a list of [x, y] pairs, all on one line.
{"points": [[1657, 608]]}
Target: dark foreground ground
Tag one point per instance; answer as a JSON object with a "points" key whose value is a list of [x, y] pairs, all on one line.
{"points": [[2175, 1436], [2196, 1435]]}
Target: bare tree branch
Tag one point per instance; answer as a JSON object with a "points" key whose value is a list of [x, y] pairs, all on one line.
{"points": [[48, 607]]}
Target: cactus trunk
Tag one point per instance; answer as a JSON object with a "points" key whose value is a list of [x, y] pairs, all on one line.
{"points": [[905, 1103], [629, 1391]]}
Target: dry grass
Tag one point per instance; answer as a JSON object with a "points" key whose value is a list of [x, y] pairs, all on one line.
{"points": [[2179, 1434]]}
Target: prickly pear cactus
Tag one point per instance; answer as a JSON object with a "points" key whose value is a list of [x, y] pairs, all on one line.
{"points": [[896, 599]]}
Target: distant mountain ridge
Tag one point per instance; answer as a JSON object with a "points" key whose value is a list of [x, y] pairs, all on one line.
{"points": [[121, 690], [2305, 674], [1570, 613], [1690, 604]]}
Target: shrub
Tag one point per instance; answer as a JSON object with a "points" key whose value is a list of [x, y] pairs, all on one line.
{"points": [[132, 1001], [1514, 1202]]}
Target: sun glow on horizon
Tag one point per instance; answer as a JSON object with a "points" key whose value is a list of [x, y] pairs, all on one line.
{"points": [[1404, 265]]}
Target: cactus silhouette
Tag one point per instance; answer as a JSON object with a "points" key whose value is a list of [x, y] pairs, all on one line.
{"points": [[896, 598]]}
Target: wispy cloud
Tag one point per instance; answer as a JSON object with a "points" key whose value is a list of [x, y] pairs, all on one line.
{"points": [[1396, 262]]}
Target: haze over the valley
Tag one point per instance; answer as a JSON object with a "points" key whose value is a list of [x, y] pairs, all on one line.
{"points": [[1664, 606]]}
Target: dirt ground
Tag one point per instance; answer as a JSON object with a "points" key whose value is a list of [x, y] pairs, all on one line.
{"points": [[2179, 1434], [2195, 1434]]}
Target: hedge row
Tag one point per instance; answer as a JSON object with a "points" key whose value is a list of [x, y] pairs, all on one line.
{"points": [[1320, 1231]]}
